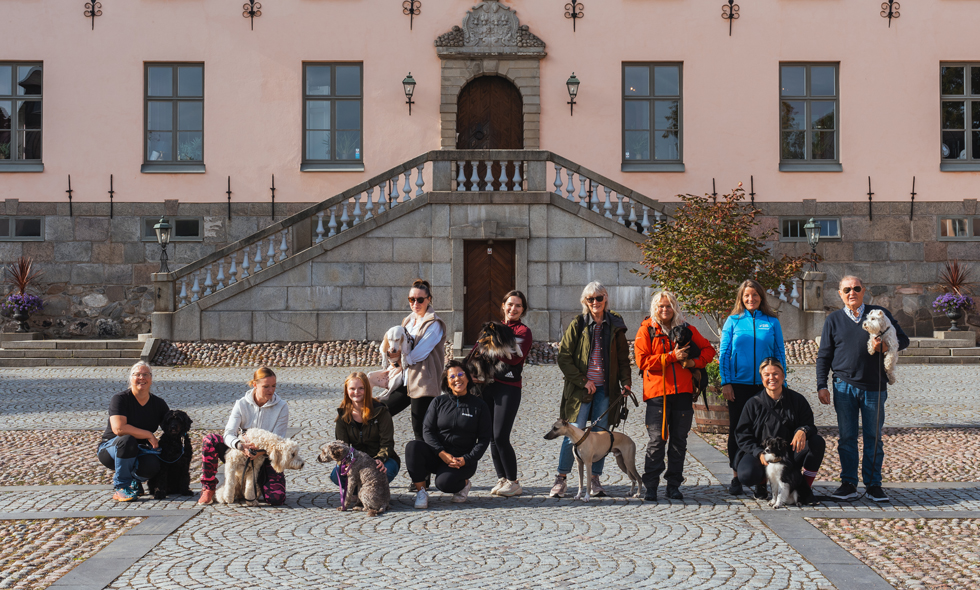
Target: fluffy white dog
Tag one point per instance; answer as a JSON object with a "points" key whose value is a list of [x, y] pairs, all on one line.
{"points": [[878, 324], [241, 483], [395, 340]]}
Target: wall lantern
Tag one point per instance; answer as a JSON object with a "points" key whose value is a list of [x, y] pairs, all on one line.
{"points": [[409, 85], [572, 85], [812, 229], [162, 230]]}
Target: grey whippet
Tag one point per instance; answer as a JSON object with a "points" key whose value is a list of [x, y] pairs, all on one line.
{"points": [[592, 447]]}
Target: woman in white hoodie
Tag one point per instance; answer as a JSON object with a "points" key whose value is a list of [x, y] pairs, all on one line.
{"points": [[259, 408]]}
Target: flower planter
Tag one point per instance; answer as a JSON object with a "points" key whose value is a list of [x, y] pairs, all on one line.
{"points": [[955, 316], [714, 419]]}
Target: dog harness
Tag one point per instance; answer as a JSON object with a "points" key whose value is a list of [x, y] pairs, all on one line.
{"points": [[343, 470]]}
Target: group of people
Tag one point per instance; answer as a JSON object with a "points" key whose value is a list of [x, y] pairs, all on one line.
{"points": [[455, 420]]}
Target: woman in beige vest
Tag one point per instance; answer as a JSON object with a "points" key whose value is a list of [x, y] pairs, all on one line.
{"points": [[424, 364]]}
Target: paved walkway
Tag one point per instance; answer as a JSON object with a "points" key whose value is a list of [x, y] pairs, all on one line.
{"points": [[709, 540]]}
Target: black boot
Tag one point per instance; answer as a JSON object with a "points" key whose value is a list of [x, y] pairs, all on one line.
{"points": [[735, 488], [674, 493]]}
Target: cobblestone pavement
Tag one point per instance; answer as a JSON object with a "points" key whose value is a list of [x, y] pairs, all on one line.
{"points": [[709, 540], [913, 554], [35, 553]]}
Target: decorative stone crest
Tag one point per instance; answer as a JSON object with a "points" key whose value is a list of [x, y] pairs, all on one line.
{"points": [[490, 27]]}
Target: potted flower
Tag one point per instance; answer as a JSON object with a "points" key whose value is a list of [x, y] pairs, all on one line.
{"points": [[19, 305], [711, 412], [953, 305]]}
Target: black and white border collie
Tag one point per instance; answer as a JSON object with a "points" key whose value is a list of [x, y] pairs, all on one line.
{"points": [[785, 480]]}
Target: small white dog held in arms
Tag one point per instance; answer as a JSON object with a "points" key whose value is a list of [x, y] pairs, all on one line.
{"points": [[878, 324], [242, 482], [396, 340]]}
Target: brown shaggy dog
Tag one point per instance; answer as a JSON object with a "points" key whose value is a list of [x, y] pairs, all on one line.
{"points": [[365, 484]]}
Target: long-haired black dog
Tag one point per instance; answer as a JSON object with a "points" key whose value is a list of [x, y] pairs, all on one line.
{"points": [[682, 336], [495, 343], [176, 451]]}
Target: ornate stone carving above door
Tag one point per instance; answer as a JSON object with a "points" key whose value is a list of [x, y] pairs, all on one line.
{"points": [[490, 28]]}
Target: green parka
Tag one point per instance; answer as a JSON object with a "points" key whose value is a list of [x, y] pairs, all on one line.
{"points": [[573, 360], [376, 436]]}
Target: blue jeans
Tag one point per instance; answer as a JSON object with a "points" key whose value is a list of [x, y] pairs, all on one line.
{"points": [[127, 469], [849, 401], [589, 411], [390, 465]]}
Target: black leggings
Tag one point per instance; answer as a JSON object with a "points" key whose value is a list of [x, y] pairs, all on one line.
{"points": [[751, 471], [128, 447], [398, 400], [743, 393], [423, 461], [503, 401]]}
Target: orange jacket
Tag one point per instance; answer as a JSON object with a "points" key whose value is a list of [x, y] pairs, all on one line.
{"points": [[662, 373]]}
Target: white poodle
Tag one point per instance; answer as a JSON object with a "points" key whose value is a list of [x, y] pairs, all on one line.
{"points": [[241, 482], [878, 324]]}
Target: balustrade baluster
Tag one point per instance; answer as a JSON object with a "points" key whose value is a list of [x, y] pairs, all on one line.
{"points": [[244, 273], [461, 176], [419, 181], [503, 176], [645, 224], [357, 210], [474, 177], [369, 207], [518, 186], [283, 247], [570, 187], [488, 179], [394, 193], [182, 298], [583, 199], [782, 292], [795, 295], [381, 198], [343, 216], [333, 222], [557, 182], [232, 270], [407, 189], [257, 259], [632, 218], [221, 275], [593, 197], [270, 254], [657, 215], [208, 283], [319, 227], [196, 289], [619, 209], [608, 205]]}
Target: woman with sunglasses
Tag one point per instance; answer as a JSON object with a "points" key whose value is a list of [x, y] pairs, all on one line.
{"points": [[418, 381], [456, 433], [594, 358], [751, 333]]}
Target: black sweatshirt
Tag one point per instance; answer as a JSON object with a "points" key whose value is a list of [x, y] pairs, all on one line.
{"points": [[461, 426], [844, 349], [764, 417]]}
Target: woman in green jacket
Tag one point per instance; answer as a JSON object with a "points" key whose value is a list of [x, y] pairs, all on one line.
{"points": [[594, 359], [365, 424]]}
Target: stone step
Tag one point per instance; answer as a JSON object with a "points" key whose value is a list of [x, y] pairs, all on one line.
{"points": [[73, 345], [940, 343], [67, 354], [65, 362], [940, 360], [917, 352]]}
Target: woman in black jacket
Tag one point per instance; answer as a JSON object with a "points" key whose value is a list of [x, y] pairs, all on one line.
{"points": [[776, 412], [455, 434]]}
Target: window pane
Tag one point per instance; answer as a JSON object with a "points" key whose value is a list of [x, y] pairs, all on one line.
{"points": [[954, 145], [28, 114], [637, 145], [666, 81], [160, 116], [976, 145], [637, 114], [952, 114], [665, 114], [637, 81], [793, 145], [27, 228], [190, 146], [822, 114], [792, 114], [159, 146], [348, 115], [190, 81], [160, 81], [952, 228], [190, 115], [317, 145], [30, 145], [975, 81], [5, 114], [6, 83], [793, 81], [951, 80], [793, 228], [148, 227], [976, 114], [823, 145], [4, 145], [348, 143], [29, 80], [822, 81], [828, 228], [666, 145], [318, 80], [4, 227], [186, 228], [348, 80], [318, 114]]}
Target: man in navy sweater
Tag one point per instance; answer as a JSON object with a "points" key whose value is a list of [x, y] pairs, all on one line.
{"points": [[860, 386]]}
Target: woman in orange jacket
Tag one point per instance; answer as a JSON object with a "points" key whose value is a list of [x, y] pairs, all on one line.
{"points": [[668, 391]]}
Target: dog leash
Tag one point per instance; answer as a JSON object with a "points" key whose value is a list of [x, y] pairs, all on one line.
{"points": [[160, 457], [343, 470], [622, 399]]}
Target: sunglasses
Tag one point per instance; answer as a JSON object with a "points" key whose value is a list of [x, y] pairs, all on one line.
{"points": [[455, 375], [847, 290], [419, 300], [598, 298]]}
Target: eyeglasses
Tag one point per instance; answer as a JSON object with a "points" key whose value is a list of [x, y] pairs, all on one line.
{"points": [[846, 290], [455, 375], [419, 300], [597, 298]]}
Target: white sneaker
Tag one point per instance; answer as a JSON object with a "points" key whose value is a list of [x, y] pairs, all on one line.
{"points": [[496, 488], [460, 496], [422, 499], [510, 488]]}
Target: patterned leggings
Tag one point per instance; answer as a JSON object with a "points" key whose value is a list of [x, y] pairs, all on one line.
{"points": [[213, 449]]}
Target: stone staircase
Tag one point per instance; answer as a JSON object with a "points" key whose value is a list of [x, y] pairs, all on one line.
{"points": [[945, 348], [70, 353]]}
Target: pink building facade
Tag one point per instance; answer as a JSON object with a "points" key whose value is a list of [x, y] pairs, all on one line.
{"points": [[191, 110]]}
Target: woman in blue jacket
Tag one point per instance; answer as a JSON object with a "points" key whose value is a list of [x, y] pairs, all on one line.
{"points": [[751, 334]]}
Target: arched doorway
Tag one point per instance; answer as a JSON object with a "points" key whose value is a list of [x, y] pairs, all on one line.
{"points": [[489, 116]]}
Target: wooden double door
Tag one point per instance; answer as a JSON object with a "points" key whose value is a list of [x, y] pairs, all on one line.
{"points": [[489, 116], [488, 274]]}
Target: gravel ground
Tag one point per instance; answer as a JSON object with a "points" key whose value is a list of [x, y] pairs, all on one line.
{"points": [[35, 553], [910, 553], [61, 457], [911, 454]]}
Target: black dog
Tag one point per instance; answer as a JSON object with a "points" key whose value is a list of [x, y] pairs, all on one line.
{"points": [[682, 336], [785, 480], [174, 476], [495, 343]]}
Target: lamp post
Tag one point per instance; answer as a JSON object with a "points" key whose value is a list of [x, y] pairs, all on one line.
{"points": [[812, 229], [409, 85], [162, 230], [572, 85]]}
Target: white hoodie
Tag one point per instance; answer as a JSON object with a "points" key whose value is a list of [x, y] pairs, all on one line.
{"points": [[273, 416]]}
